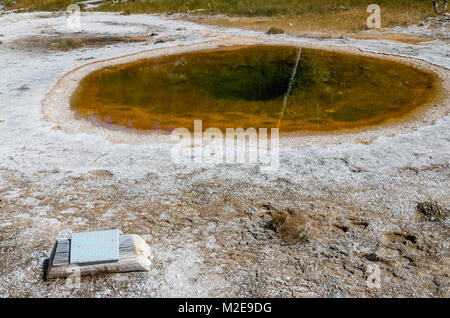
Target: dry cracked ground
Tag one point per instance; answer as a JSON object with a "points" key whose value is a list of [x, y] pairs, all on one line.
{"points": [[313, 229]]}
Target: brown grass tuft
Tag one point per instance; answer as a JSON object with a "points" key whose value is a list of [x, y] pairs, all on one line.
{"points": [[291, 227], [67, 44], [432, 211], [275, 30]]}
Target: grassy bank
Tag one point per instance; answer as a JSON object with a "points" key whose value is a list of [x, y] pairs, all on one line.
{"points": [[267, 7], [37, 5], [339, 15]]}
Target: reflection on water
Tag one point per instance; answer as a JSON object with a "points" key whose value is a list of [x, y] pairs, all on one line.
{"points": [[246, 87]]}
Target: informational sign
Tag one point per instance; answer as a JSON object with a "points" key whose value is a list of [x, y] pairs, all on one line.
{"points": [[94, 247]]}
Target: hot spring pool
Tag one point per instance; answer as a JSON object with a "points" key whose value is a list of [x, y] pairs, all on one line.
{"points": [[255, 86]]}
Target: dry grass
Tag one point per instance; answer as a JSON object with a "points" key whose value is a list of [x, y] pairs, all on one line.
{"points": [[266, 7], [432, 211], [289, 226], [67, 44], [290, 15], [344, 21], [44, 5], [274, 30], [340, 15]]}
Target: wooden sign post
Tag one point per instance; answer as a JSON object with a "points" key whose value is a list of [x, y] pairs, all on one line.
{"points": [[98, 252]]}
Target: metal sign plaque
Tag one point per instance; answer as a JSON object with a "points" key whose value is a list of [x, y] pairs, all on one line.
{"points": [[94, 247]]}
